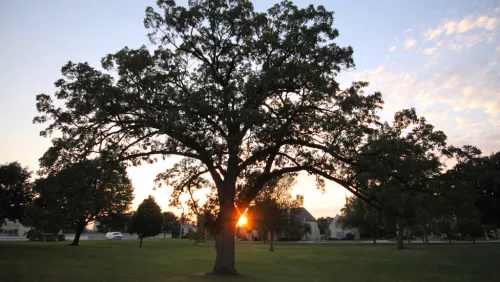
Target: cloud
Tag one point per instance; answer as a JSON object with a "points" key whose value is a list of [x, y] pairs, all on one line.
{"points": [[392, 48], [433, 33], [467, 23], [409, 43], [487, 22], [430, 51], [498, 49], [408, 30], [466, 125]]}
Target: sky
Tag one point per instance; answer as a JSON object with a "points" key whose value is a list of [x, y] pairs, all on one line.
{"points": [[441, 57]]}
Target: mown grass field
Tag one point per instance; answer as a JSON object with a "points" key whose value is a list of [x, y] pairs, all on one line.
{"points": [[180, 260]]}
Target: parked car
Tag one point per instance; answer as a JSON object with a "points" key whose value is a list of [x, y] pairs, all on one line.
{"points": [[114, 236]]}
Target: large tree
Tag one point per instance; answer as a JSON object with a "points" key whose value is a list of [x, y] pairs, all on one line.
{"points": [[244, 95], [147, 220], [15, 191], [80, 192], [410, 156]]}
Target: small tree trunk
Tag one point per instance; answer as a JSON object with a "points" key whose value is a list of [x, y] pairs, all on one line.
{"points": [[400, 242], [164, 235], [473, 239], [225, 259], [373, 237], [449, 238], [485, 233], [78, 233], [271, 244], [140, 244], [426, 236]]}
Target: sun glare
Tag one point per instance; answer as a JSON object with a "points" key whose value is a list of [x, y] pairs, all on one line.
{"points": [[242, 221]]}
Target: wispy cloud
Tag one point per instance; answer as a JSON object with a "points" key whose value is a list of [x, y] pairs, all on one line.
{"points": [[409, 43], [430, 51], [392, 48], [467, 23]]}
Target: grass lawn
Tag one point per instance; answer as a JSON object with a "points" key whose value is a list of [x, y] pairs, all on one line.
{"points": [[180, 260]]}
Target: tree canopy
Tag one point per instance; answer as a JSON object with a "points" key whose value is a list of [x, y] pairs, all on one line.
{"points": [[83, 191], [147, 220], [15, 191], [245, 97]]}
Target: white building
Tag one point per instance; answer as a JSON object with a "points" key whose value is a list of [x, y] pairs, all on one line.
{"points": [[13, 229], [306, 217], [338, 232]]}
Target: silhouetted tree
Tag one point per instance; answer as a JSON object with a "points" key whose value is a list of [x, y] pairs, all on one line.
{"points": [[168, 222], [147, 220], [15, 191], [80, 192]]}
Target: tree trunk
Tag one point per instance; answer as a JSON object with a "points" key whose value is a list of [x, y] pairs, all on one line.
{"points": [[78, 233], [140, 244], [449, 238], [225, 259], [400, 238], [473, 239], [164, 235], [271, 243], [485, 233], [426, 236], [373, 237]]}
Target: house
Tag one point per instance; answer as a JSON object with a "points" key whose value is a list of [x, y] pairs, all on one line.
{"points": [[338, 232], [305, 216], [13, 229]]}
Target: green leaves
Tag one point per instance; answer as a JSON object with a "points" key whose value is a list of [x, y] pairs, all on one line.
{"points": [[147, 220], [245, 96], [15, 191], [80, 192]]}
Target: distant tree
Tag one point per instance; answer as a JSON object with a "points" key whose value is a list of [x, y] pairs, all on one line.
{"points": [[446, 226], [113, 222], [401, 162], [147, 220], [306, 229], [323, 226], [470, 226], [479, 177], [15, 191], [271, 205], [81, 192], [358, 214], [168, 222]]}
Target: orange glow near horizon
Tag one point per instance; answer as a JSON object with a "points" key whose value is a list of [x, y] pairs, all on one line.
{"points": [[242, 221]]}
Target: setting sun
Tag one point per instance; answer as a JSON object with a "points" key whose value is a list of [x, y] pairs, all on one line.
{"points": [[242, 221]]}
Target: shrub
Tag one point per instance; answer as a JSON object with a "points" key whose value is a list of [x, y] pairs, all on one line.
{"points": [[349, 236]]}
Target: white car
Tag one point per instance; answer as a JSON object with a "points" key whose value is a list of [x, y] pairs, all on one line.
{"points": [[114, 236]]}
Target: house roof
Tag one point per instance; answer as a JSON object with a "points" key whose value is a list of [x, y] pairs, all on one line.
{"points": [[304, 214]]}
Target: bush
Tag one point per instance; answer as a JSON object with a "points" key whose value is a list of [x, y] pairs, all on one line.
{"points": [[349, 236], [288, 239], [34, 236]]}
